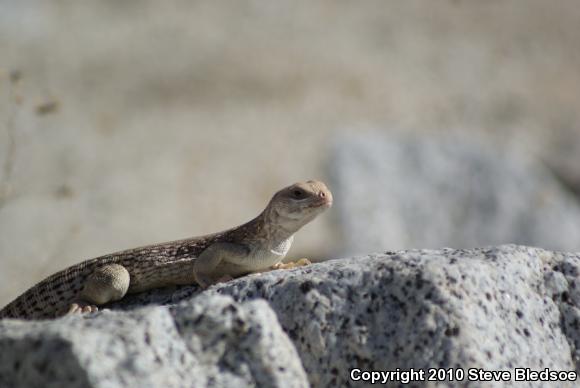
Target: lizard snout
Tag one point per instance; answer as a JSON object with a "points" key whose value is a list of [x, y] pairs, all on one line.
{"points": [[325, 197]]}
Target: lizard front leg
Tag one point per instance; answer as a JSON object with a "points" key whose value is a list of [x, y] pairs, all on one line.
{"points": [[204, 267], [105, 284]]}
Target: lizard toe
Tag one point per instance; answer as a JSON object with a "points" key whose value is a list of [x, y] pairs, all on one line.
{"points": [[81, 307], [277, 266], [74, 309], [293, 264], [302, 262]]}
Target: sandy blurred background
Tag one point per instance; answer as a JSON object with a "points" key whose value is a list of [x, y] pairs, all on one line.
{"points": [[124, 123]]}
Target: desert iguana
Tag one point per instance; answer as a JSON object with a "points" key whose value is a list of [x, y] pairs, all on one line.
{"points": [[255, 246]]}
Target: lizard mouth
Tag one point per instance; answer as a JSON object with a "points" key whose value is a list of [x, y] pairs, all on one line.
{"points": [[324, 203]]}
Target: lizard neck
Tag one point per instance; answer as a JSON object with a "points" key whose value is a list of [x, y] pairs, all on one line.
{"points": [[274, 226]]}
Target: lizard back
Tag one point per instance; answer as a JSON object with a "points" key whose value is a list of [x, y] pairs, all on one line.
{"points": [[53, 295], [151, 266]]}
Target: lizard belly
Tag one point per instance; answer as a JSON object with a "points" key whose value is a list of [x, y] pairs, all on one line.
{"points": [[256, 262], [260, 258]]}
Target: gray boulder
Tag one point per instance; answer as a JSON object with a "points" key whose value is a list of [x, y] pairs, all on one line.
{"points": [[496, 309], [211, 341], [399, 192]]}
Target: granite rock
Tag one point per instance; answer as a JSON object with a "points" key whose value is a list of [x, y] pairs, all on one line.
{"points": [[210, 341], [495, 308]]}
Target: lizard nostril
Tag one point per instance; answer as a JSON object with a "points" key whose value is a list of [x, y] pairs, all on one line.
{"points": [[321, 194]]}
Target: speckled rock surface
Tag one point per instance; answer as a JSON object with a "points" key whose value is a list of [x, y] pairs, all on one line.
{"points": [[496, 308], [209, 341], [400, 192]]}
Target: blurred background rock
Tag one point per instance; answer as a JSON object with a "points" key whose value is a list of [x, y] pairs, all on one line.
{"points": [[130, 122]]}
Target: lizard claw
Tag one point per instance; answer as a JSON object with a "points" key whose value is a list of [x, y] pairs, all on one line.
{"points": [[81, 307], [90, 309]]}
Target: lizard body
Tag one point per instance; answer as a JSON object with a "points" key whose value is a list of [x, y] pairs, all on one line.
{"points": [[255, 246]]}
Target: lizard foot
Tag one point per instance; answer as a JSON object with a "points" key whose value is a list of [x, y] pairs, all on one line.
{"points": [[293, 264], [81, 307]]}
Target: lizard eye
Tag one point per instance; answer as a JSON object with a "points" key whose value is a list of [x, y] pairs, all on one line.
{"points": [[298, 194]]}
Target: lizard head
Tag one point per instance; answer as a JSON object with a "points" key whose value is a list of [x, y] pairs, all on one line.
{"points": [[298, 204]]}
